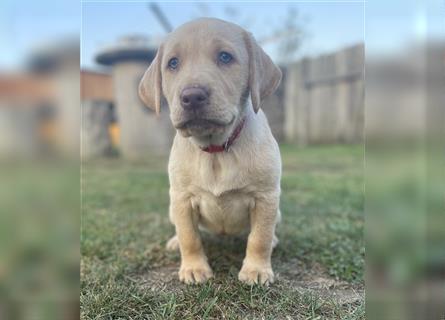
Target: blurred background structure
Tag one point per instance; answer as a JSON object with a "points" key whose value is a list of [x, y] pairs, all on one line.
{"points": [[320, 101], [321, 98], [40, 103], [120, 119]]}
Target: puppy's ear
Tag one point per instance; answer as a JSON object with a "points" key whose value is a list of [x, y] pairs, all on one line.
{"points": [[150, 87], [264, 75]]}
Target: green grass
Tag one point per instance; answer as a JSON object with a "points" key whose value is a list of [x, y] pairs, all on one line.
{"points": [[127, 274]]}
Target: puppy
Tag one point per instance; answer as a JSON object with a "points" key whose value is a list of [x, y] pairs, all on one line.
{"points": [[225, 166]]}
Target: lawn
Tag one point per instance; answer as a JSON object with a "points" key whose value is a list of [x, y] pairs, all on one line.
{"points": [[126, 273]]}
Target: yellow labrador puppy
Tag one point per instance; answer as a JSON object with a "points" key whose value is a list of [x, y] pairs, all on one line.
{"points": [[225, 165]]}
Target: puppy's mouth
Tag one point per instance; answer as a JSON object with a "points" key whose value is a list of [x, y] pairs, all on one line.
{"points": [[203, 127], [202, 123]]}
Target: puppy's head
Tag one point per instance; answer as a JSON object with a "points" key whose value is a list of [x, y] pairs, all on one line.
{"points": [[207, 70]]}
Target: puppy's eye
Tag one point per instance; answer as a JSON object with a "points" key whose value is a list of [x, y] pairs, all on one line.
{"points": [[173, 63], [225, 57]]}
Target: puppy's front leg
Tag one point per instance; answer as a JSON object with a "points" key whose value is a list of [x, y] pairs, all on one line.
{"points": [[257, 267], [194, 267]]}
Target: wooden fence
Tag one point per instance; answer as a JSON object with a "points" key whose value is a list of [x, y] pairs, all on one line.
{"points": [[324, 98]]}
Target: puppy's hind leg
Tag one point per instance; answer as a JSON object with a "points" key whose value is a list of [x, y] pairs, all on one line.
{"points": [[275, 241], [173, 244]]}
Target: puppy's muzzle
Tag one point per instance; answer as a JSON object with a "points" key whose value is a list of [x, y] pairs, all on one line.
{"points": [[197, 118], [194, 98]]}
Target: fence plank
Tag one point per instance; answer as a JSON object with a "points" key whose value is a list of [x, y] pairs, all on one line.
{"points": [[324, 99]]}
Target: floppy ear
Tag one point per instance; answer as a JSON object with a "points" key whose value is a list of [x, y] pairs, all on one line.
{"points": [[150, 87], [264, 75]]}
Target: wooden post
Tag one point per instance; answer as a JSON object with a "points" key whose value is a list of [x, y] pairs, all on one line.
{"points": [[296, 104]]}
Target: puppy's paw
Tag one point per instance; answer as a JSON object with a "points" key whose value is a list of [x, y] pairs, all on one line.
{"points": [[173, 244], [195, 272], [256, 274]]}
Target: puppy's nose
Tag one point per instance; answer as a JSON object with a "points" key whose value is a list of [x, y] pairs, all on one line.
{"points": [[194, 98]]}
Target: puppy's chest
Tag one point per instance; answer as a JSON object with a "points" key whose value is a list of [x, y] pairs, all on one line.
{"points": [[222, 191], [227, 213], [220, 176]]}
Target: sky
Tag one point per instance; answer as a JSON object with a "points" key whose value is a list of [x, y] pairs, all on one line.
{"points": [[27, 24], [328, 24]]}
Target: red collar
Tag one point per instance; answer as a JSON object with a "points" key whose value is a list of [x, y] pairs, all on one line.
{"points": [[225, 147]]}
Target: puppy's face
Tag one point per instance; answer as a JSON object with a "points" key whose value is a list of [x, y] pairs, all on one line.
{"points": [[204, 77], [206, 70]]}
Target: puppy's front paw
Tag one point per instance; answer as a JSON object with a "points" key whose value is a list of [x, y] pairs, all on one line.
{"points": [[195, 272], [256, 273]]}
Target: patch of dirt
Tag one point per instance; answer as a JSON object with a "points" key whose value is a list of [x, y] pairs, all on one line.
{"points": [[164, 279], [315, 279], [290, 275]]}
